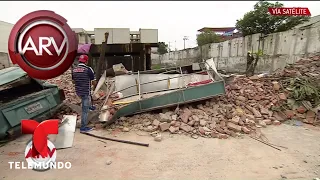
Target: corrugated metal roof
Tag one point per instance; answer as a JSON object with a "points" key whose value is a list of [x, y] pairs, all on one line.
{"points": [[11, 74], [219, 29]]}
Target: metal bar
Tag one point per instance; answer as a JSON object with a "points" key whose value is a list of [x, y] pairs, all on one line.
{"points": [[117, 140], [184, 99], [139, 85], [184, 82], [210, 75], [162, 90], [266, 143], [159, 80]]}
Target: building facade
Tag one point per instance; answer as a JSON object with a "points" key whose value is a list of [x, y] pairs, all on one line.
{"points": [[226, 33], [125, 36], [5, 29]]}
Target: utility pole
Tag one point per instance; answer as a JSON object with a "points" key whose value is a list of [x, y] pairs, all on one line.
{"points": [[184, 41]]}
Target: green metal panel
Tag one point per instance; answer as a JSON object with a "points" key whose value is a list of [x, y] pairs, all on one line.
{"points": [[15, 113], [170, 99], [10, 74]]}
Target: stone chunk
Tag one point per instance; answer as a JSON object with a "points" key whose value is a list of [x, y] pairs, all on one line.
{"points": [[203, 122], [164, 126], [234, 127], [185, 116], [245, 130]]}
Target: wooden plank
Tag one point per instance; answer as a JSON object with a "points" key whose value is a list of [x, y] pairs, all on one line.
{"points": [[102, 62]]}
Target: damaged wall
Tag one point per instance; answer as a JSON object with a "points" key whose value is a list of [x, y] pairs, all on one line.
{"points": [[4, 60], [279, 49]]}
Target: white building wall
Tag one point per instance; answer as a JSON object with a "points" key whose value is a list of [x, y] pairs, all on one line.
{"points": [[116, 35], [5, 29], [122, 35], [149, 35]]}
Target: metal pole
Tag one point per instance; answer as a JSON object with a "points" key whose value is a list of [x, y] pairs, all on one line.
{"points": [[184, 41]]}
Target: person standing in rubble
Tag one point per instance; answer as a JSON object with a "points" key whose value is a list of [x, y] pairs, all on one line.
{"points": [[82, 76]]}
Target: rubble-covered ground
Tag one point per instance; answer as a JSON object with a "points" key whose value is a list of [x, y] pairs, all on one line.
{"points": [[249, 104]]}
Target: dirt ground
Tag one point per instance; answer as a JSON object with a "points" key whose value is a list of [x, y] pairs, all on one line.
{"points": [[180, 157]]}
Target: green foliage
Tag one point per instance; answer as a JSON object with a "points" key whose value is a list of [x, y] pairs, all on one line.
{"points": [[156, 66], [302, 89], [208, 37], [163, 48], [261, 21], [259, 53]]}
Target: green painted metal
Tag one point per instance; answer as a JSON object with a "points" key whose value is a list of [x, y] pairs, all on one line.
{"points": [[13, 112], [11, 74], [182, 96]]}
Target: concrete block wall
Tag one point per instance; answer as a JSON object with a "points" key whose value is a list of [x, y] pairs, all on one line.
{"points": [[279, 49], [4, 60]]}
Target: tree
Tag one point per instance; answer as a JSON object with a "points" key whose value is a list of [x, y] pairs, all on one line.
{"points": [[208, 37], [163, 48], [261, 21]]}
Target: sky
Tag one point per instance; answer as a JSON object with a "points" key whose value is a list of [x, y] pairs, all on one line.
{"points": [[173, 19]]}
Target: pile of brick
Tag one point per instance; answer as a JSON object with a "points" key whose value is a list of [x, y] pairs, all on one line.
{"points": [[244, 109], [249, 104], [64, 82]]}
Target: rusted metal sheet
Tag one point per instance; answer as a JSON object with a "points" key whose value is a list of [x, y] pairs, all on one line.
{"points": [[120, 49]]}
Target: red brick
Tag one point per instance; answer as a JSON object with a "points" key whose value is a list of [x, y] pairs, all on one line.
{"points": [[234, 127], [222, 136], [301, 110], [276, 123], [201, 130], [267, 121], [282, 96], [245, 130], [164, 126], [289, 113]]}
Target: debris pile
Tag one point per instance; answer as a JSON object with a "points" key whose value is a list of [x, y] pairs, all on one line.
{"points": [[64, 82], [250, 103], [244, 109]]}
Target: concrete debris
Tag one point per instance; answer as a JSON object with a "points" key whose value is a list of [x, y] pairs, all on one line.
{"points": [[158, 138], [165, 117], [194, 136], [109, 162], [156, 123], [164, 126]]}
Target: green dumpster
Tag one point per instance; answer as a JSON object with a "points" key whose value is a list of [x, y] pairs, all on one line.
{"points": [[22, 97]]}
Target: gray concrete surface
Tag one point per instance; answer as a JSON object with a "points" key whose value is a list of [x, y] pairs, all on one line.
{"points": [[180, 157]]}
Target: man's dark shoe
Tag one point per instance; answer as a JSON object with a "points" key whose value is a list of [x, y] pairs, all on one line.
{"points": [[86, 129]]}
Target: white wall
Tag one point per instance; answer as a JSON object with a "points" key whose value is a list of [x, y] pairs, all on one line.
{"points": [[149, 35], [116, 35], [5, 29], [279, 49]]}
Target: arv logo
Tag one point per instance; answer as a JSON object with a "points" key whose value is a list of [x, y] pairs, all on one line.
{"points": [[42, 44]]}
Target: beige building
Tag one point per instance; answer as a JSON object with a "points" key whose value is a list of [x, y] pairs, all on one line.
{"points": [[5, 29], [124, 35]]}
